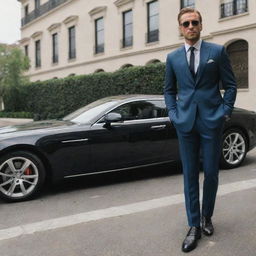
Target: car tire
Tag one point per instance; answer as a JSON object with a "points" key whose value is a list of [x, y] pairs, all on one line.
{"points": [[234, 148], [22, 176]]}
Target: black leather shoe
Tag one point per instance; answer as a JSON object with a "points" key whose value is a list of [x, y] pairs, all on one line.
{"points": [[207, 226], [190, 241]]}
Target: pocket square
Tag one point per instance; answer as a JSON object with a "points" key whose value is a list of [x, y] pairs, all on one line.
{"points": [[210, 61]]}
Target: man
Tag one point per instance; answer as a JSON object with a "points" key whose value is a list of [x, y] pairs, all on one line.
{"points": [[198, 112]]}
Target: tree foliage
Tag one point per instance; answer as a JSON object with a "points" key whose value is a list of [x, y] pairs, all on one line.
{"points": [[13, 63]]}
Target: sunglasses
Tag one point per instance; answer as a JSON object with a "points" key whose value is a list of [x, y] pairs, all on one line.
{"points": [[187, 23]]}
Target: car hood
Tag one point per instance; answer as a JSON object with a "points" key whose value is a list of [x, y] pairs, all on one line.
{"points": [[37, 127]]}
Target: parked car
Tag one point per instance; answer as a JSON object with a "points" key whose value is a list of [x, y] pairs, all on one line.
{"points": [[111, 134]]}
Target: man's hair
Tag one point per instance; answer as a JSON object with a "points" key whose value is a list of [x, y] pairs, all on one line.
{"points": [[189, 10]]}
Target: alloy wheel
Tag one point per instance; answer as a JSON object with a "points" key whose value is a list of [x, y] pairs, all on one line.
{"points": [[18, 177], [234, 148]]}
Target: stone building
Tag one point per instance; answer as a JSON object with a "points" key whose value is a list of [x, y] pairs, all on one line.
{"points": [[71, 37]]}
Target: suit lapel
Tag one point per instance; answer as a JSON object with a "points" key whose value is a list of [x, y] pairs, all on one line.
{"points": [[204, 55]]}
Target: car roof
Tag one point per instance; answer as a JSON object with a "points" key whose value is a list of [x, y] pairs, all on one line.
{"points": [[126, 97]]}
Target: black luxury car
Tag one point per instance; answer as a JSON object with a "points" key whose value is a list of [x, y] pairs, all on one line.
{"points": [[113, 133]]}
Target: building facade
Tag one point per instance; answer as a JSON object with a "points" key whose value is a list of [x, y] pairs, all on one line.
{"points": [[72, 37]]}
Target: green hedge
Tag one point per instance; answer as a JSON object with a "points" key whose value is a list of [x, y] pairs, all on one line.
{"points": [[58, 97]]}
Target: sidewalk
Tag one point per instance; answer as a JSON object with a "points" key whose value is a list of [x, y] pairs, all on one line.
{"points": [[13, 121]]}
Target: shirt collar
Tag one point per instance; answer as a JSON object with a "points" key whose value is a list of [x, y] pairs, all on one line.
{"points": [[197, 45]]}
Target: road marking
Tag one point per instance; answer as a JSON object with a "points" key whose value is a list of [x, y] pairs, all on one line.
{"points": [[96, 196], [111, 212], [211, 243]]}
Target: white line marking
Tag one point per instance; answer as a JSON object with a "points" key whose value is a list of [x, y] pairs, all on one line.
{"points": [[114, 211]]}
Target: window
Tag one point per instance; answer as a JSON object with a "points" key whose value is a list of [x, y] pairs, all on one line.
{"points": [[187, 3], [142, 110], [55, 54], [127, 29], [240, 6], [100, 70], [154, 61], [38, 53], [37, 4], [26, 50], [71, 43], [26, 10], [37, 8], [126, 66], [153, 22], [233, 8], [238, 55], [99, 35]]}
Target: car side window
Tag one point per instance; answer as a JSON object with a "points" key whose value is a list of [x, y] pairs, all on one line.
{"points": [[160, 108], [141, 110]]}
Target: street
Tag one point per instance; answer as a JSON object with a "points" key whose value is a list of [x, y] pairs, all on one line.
{"points": [[132, 213]]}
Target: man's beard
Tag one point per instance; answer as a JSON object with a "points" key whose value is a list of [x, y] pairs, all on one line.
{"points": [[194, 37]]}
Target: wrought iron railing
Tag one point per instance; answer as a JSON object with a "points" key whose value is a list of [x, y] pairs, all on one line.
{"points": [[233, 8], [44, 8]]}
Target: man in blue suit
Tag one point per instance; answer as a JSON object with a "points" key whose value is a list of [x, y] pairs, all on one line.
{"points": [[198, 112]]}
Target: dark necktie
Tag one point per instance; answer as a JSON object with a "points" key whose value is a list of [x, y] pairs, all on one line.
{"points": [[192, 60]]}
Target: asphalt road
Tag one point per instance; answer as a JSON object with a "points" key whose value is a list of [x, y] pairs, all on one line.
{"points": [[133, 213]]}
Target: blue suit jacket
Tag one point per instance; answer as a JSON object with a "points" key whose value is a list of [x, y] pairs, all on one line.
{"points": [[186, 97]]}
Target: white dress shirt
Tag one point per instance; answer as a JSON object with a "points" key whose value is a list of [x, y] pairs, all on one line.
{"points": [[197, 47]]}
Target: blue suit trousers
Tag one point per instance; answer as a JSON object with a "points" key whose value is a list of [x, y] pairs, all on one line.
{"points": [[200, 143]]}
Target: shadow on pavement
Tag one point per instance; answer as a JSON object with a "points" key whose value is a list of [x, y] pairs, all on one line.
{"points": [[250, 160]]}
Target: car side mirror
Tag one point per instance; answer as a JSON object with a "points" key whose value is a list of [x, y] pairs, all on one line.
{"points": [[112, 118]]}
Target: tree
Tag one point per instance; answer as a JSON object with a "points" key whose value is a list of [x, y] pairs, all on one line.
{"points": [[13, 63]]}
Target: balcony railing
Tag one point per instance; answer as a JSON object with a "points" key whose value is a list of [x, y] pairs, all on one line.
{"points": [[44, 8], [233, 8]]}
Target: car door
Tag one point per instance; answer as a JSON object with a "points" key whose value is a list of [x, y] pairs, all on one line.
{"points": [[68, 150], [135, 140], [151, 134], [142, 137], [111, 144]]}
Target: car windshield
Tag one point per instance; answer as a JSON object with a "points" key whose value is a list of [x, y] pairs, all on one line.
{"points": [[90, 111]]}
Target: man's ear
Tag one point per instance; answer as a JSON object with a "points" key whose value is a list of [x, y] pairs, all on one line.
{"points": [[201, 26], [180, 30]]}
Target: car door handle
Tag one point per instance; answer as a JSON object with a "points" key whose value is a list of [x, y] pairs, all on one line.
{"points": [[73, 141], [158, 127]]}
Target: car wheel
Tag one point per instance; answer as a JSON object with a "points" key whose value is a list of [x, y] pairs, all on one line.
{"points": [[22, 176], [234, 148]]}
